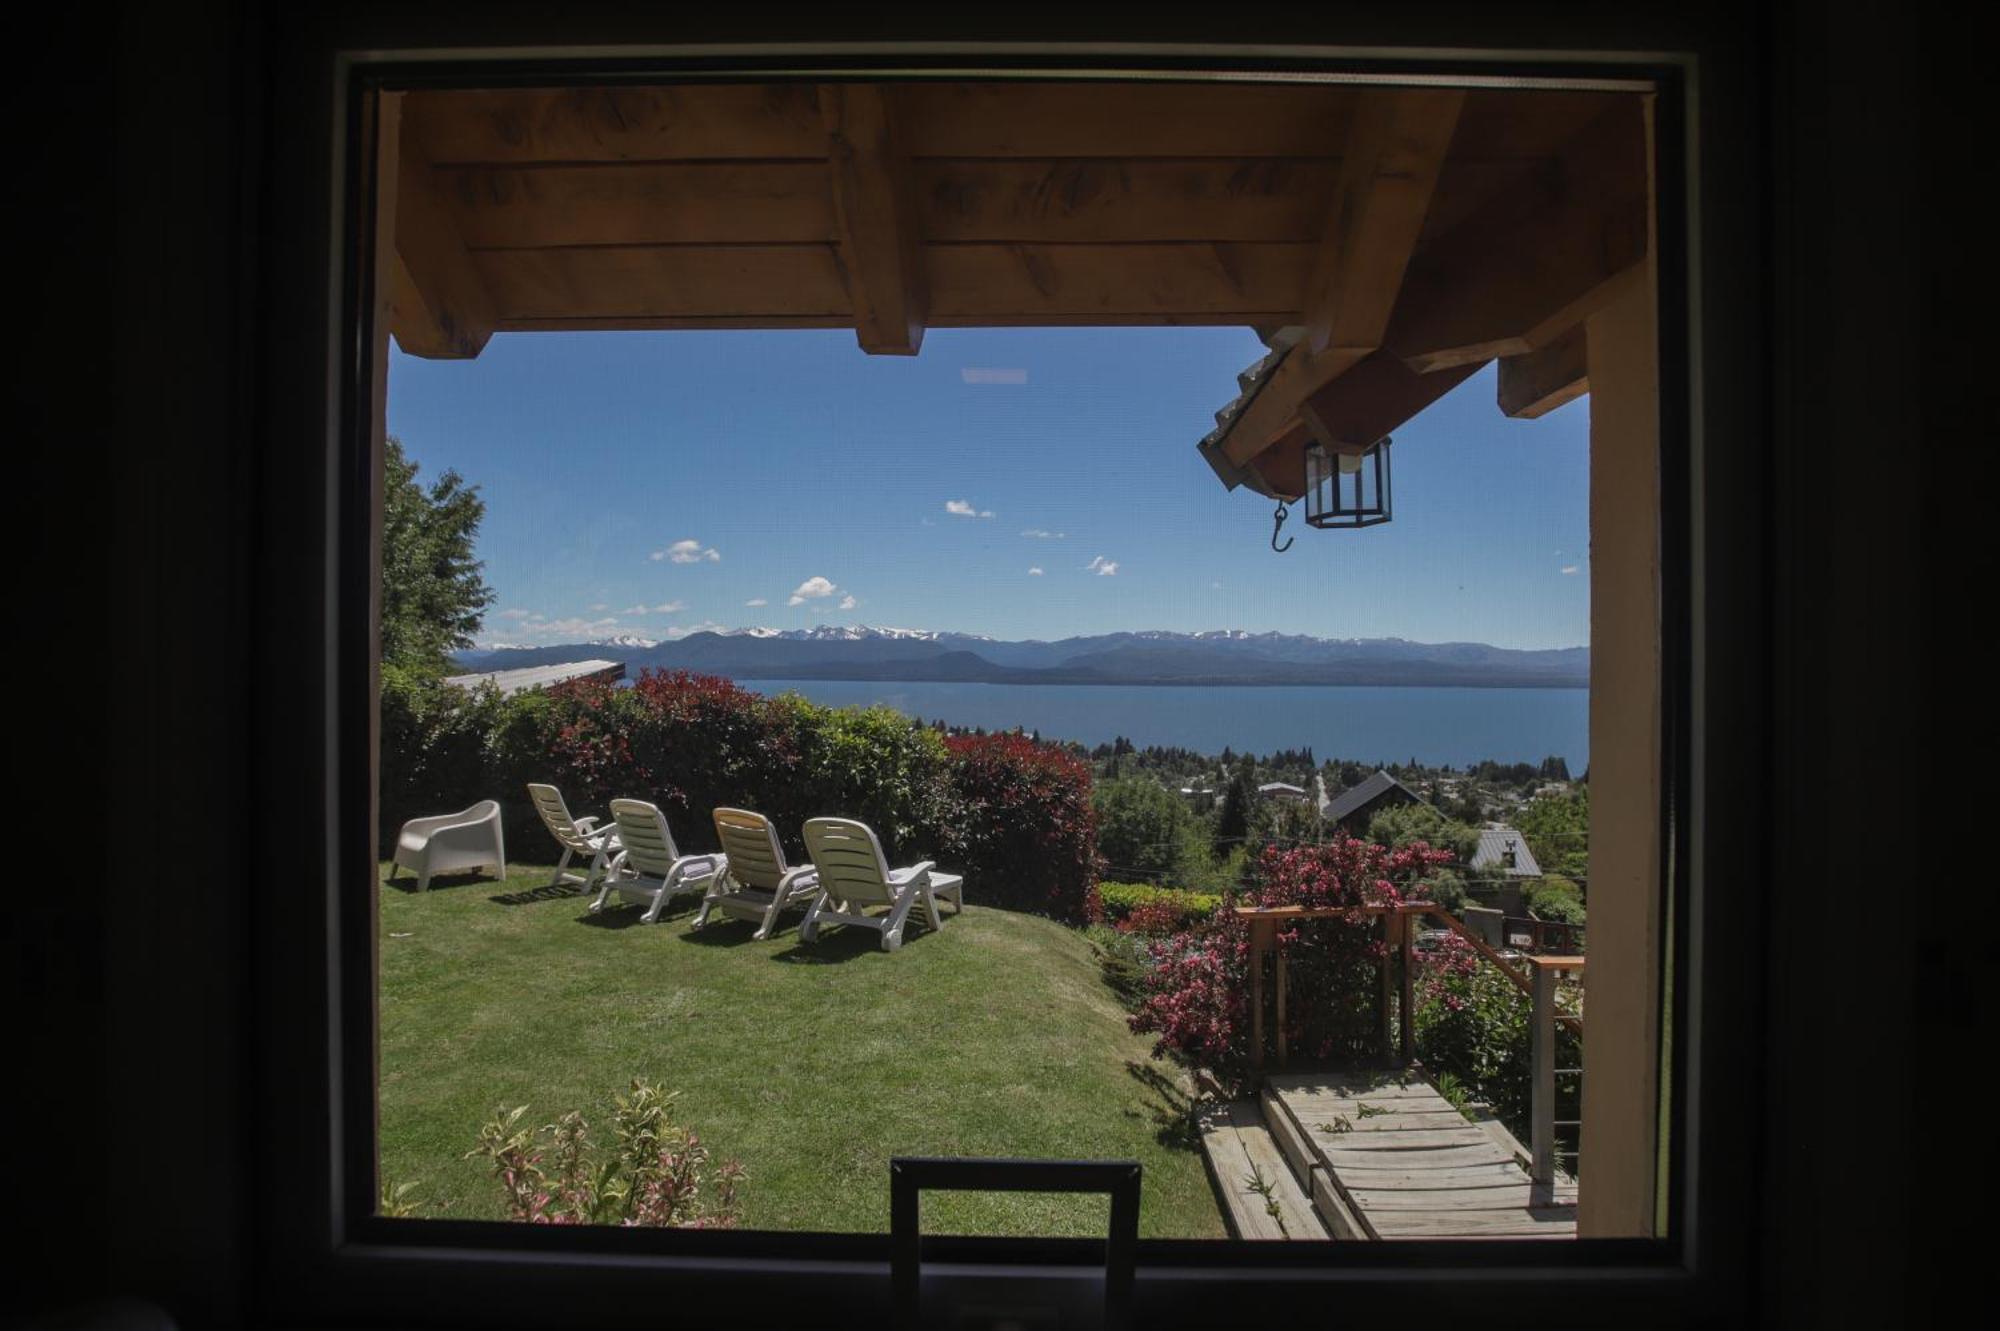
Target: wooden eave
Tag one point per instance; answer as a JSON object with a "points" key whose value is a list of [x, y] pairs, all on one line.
{"points": [[1442, 228]]}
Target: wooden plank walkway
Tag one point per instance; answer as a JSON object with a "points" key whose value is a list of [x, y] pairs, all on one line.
{"points": [[1241, 1152], [1401, 1163]]}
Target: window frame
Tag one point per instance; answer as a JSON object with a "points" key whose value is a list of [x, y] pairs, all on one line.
{"points": [[325, 1252]]}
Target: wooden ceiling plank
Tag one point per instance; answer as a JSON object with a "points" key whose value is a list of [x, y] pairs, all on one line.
{"points": [[1389, 169], [1139, 200], [626, 123], [644, 203], [442, 309], [875, 212], [1162, 282], [1538, 382], [1572, 234], [677, 281], [1163, 119]]}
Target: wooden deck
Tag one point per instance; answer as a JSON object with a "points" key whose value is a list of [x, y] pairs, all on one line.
{"points": [[1389, 1158]]}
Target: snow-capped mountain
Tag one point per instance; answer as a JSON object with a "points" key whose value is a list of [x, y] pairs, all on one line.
{"points": [[1153, 656]]}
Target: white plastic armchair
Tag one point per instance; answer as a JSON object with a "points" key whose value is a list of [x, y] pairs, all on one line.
{"points": [[854, 875], [649, 867], [576, 836], [452, 843], [756, 883]]}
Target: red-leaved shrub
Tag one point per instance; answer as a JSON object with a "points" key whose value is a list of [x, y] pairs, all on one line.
{"points": [[1196, 995], [1020, 819]]}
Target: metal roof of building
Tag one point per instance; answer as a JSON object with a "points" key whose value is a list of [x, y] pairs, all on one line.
{"points": [[1495, 842], [535, 677], [1351, 802]]}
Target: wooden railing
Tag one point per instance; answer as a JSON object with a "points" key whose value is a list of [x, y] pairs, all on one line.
{"points": [[1538, 980]]}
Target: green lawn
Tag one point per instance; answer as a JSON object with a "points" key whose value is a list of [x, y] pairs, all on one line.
{"points": [[811, 1064]]}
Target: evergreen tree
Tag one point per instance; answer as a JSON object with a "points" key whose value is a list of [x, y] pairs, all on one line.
{"points": [[433, 597]]}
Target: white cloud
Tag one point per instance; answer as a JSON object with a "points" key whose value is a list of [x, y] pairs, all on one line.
{"points": [[1102, 567], [848, 602], [664, 608], [756, 601], [687, 552], [812, 589], [600, 606], [1572, 568], [960, 508], [986, 374], [1034, 573], [1036, 533], [515, 614], [683, 630]]}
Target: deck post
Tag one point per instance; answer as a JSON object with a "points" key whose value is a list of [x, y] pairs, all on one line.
{"points": [[1542, 1063], [1284, 1051], [1256, 995], [1388, 919], [1406, 925]]}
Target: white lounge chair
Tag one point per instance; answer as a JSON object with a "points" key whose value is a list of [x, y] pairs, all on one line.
{"points": [[452, 843], [648, 866], [577, 836], [757, 884], [854, 875]]}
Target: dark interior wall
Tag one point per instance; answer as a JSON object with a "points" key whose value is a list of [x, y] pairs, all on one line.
{"points": [[137, 488]]}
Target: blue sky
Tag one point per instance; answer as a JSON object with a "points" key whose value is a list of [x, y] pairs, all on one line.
{"points": [[659, 483]]}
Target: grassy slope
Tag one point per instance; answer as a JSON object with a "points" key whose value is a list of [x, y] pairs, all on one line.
{"points": [[813, 1065]]}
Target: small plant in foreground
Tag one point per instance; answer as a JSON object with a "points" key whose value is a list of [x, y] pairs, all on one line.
{"points": [[1366, 1110], [658, 1173], [1339, 1125], [1268, 1190]]}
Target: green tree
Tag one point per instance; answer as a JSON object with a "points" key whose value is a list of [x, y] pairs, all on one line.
{"points": [[433, 597], [1558, 832], [1140, 824], [1398, 827]]}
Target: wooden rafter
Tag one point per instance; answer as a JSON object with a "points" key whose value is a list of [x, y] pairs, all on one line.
{"points": [[1561, 241], [881, 255], [1538, 382], [1353, 412], [1388, 171], [441, 305]]}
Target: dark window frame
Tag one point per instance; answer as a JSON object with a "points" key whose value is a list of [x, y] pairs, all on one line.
{"points": [[323, 1251]]}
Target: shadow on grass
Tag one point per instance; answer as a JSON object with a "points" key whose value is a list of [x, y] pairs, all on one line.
{"points": [[1174, 1111], [722, 931], [406, 883], [836, 945], [625, 916], [530, 896]]}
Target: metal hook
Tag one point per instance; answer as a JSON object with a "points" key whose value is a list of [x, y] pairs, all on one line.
{"points": [[1277, 525]]}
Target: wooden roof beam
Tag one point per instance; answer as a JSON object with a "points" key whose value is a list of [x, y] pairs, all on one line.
{"points": [[441, 308], [1534, 263], [1538, 382], [1352, 413], [1389, 169], [880, 250], [1390, 161]]}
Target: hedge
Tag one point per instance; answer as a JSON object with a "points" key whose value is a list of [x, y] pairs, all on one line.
{"points": [[1012, 814], [1122, 899]]}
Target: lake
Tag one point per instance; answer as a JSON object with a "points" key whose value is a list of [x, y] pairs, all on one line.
{"points": [[1367, 725]]}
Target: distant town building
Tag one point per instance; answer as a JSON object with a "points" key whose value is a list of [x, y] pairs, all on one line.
{"points": [[1353, 808], [1281, 790], [510, 682], [1503, 850]]}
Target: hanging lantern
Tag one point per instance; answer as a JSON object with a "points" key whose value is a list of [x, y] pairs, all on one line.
{"points": [[1347, 489]]}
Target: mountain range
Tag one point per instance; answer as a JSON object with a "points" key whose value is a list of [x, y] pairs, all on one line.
{"points": [[1227, 656]]}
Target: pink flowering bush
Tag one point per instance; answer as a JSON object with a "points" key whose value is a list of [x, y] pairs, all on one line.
{"points": [[1195, 996], [657, 1174]]}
